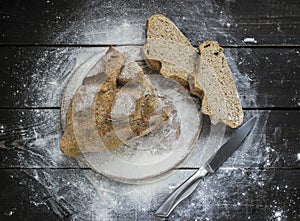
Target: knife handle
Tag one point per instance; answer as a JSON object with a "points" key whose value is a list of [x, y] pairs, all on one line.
{"points": [[181, 193]]}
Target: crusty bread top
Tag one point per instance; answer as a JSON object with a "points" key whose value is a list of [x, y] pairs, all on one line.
{"points": [[213, 82], [90, 124]]}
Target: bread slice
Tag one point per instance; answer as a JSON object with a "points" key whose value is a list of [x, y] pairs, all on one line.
{"points": [[214, 84], [168, 50], [112, 131]]}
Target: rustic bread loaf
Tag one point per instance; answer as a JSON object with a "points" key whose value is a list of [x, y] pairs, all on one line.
{"points": [[110, 129], [214, 84], [168, 50]]}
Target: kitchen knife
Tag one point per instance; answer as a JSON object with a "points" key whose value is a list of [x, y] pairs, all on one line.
{"points": [[188, 187]]}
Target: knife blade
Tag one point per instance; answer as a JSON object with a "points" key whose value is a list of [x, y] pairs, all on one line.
{"points": [[188, 187]]}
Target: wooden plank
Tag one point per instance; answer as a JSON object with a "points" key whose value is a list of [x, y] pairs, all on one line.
{"points": [[250, 195], [30, 139], [36, 76], [70, 194], [113, 22]]}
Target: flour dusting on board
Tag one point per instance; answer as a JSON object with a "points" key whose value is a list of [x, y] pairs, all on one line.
{"points": [[83, 194]]}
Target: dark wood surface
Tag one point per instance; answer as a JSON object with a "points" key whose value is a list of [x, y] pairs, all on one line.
{"points": [[43, 42], [32, 201], [39, 22]]}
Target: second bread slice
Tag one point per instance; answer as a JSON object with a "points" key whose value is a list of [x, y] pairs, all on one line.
{"points": [[213, 82]]}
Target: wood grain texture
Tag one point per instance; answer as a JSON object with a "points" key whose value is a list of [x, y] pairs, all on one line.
{"points": [[36, 77], [259, 182], [270, 22], [70, 194], [30, 139]]}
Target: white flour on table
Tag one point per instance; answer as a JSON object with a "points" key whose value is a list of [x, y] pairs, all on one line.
{"points": [[86, 195], [250, 40]]}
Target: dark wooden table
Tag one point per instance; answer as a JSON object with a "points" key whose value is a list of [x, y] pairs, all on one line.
{"points": [[43, 42]]}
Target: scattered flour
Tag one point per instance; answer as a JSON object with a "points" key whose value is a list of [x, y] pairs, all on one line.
{"points": [[278, 215], [250, 40], [83, 194], [11, 212]]}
